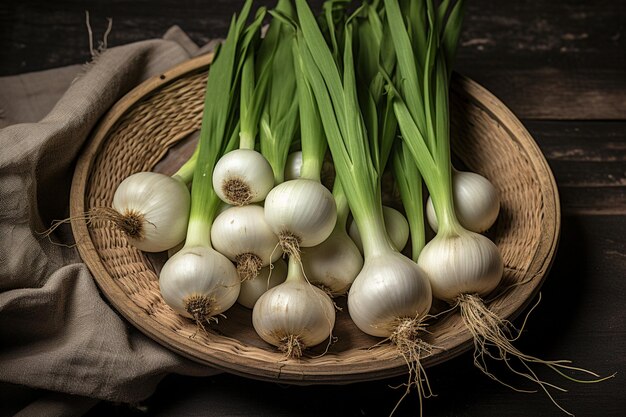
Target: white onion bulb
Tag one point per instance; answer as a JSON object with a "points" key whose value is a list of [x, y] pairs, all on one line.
{"points": [[334, 263], [294, 315], [152, 210], [199, 282], [396, 225], [389, 288], [461, 263], [242, 176], [293, 168], [476, 202], [242, 235], [269, 277], [293, 165], [301, 212]]}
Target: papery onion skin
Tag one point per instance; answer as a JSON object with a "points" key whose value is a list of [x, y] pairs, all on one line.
{"points": [[461, 263], [303, 208], [476, 202], [250, 170], [293, 166], [390, 287], [199, 271], [334, 263], [243, 230], [161, 202], [294, 308]]}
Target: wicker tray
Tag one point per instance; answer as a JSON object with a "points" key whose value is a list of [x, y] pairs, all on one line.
{"points": [[148, 130]]}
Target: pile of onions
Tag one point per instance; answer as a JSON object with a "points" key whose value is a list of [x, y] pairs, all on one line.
{"points": [[463, 266], [373, 90], [198, 281], [391, 295]]}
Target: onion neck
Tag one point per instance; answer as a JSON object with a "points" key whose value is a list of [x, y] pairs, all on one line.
{"points": [[443, 201], [409, 181], [311, 168], [274, 150], [295, 271], [343, 209], [250, 89], [185, 173], [279, 177], [215, 131], [197, 233], [200, 222], [371, 224], [312, 137], [246, 140]]}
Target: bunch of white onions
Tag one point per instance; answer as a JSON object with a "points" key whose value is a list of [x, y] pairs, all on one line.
{"points": [[391, 295], [333, 264], [244, 176], [457, 261], [462, 265], [301, 211], [353, 102], [197, 281], [296, 315]]}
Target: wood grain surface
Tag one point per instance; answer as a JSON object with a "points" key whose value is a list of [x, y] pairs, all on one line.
{"points": [[561, 67]]}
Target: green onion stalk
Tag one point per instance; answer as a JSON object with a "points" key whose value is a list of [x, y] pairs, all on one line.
{"points": [[373, 56], [244, 176], [463, 266], [198, 282], [241, 232], [279, 118], [333, 264], [302, 212], [391, 295]]}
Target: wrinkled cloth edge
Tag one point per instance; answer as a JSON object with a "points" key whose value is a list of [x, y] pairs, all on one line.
{"points": [[30, 155]]}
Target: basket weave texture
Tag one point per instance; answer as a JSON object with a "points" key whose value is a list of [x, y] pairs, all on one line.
{"points": [[149, 129]]}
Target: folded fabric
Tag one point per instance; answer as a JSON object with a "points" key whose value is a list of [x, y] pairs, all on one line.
{"points": [[56, 331]]}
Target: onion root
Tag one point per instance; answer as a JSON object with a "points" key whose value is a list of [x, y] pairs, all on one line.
{"points": [[493, 337], [248, 266], [237, 191]]}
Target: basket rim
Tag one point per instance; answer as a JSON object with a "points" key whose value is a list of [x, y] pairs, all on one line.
{"points": [[301, 373]]}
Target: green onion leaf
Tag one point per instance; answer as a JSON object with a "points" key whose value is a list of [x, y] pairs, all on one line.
{"points": [[279, 118], [215, 133]]}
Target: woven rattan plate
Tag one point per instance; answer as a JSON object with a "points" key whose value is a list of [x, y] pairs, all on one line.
{"points": [[149, 129]]}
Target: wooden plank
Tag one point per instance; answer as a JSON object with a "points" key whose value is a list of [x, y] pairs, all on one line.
{"points": [[549, 60], [554, 91], [39, 34], [546, 60], [589, 163]]}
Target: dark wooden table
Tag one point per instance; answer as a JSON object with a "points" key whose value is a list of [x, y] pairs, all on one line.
{"points": [[561, 67]]}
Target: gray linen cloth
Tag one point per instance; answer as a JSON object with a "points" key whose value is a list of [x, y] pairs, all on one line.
{"points": [[57, 334]]}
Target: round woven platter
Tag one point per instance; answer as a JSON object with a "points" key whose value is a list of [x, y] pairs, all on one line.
{"points": [[152, 129]]}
